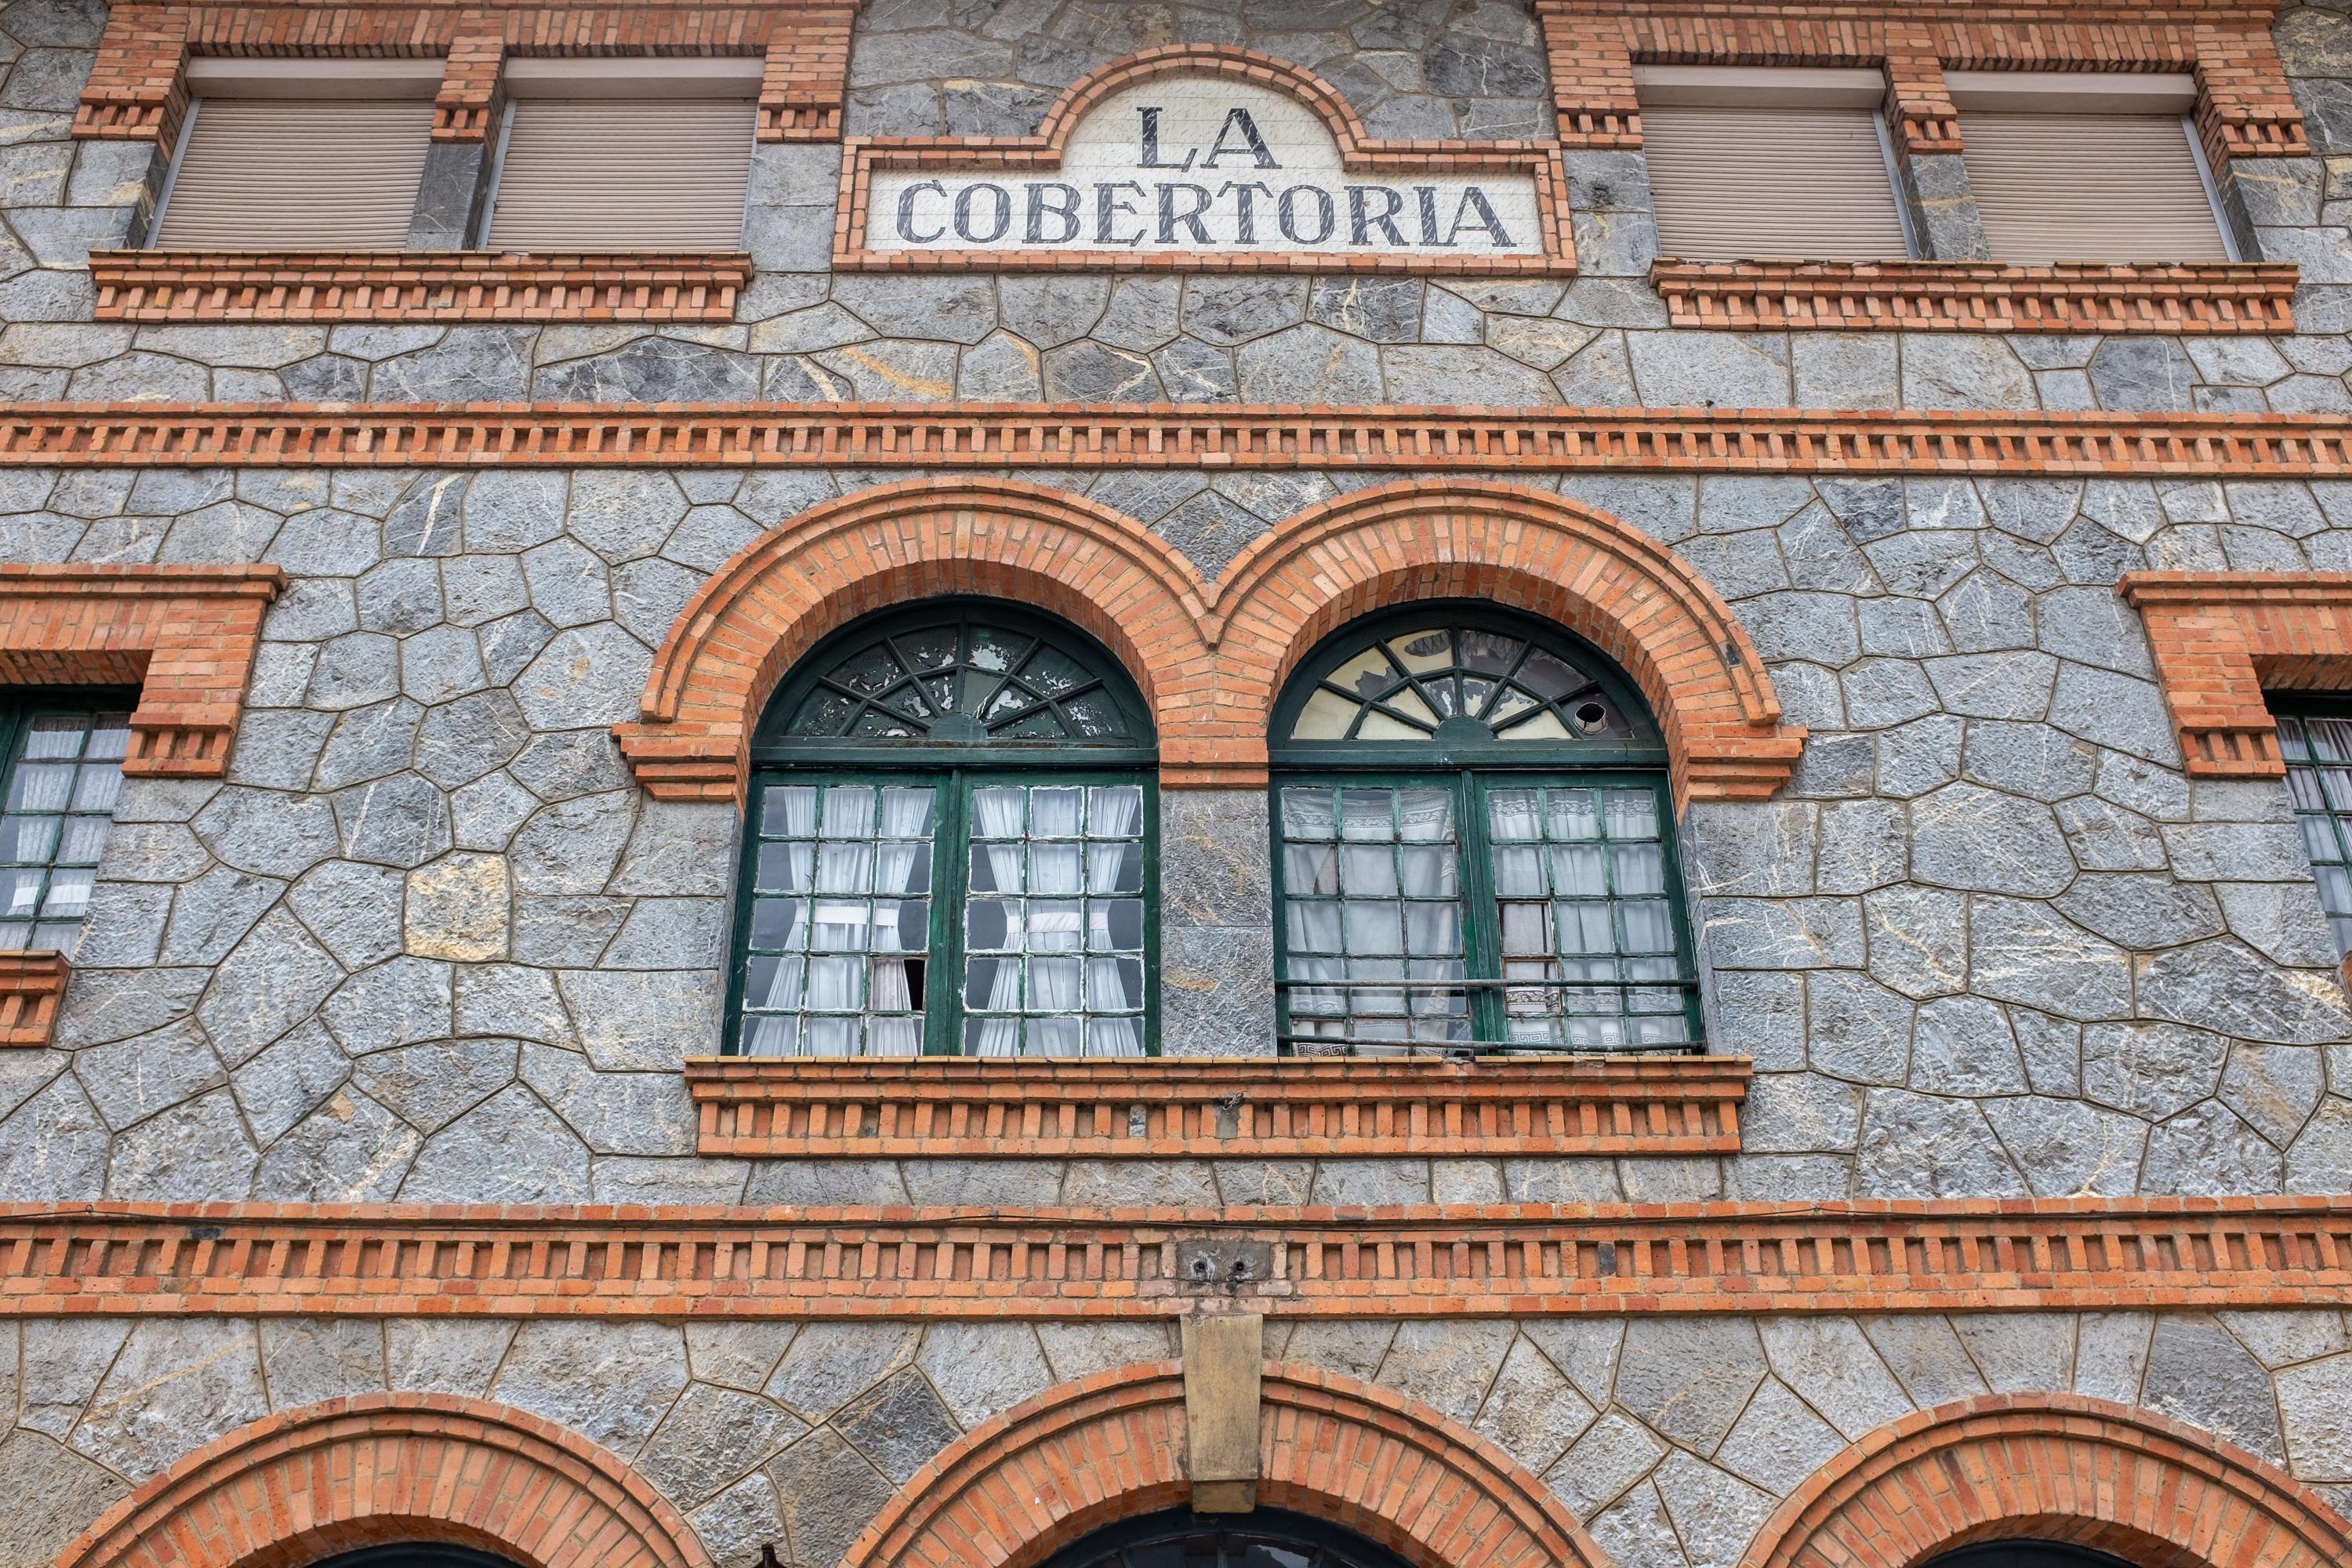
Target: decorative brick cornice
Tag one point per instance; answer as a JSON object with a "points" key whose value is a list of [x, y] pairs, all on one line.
{"points": [[467, 106], [184, 635], [1497, 1260], [31, 985], [807, 73], [1358, 153], [1167, 436], [391, 1468], [1113, 1447], [2058, 1467], [2196, 298], [1180, 1108], [416, 286], [134, 93], [1207, 660], [2222, 638], [2244, 106]]}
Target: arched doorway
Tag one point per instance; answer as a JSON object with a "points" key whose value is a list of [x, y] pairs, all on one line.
{"points": [[2026, 1554], [415, 1555], [1179, 1538]]}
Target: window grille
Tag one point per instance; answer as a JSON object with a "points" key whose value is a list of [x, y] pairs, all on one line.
{"points": [[64, 770]]}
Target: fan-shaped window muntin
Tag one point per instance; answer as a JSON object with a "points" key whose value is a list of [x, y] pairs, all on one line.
{"points": [[948, 846], [1504, 878], [1269, 1538]]}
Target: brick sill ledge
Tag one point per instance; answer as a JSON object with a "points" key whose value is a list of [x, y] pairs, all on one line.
{"points": [[31, 985], [2205, 298], [164, 286], [1228, 1108]]}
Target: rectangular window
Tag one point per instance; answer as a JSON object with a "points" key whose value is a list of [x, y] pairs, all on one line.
{"points": [[2318, 752], [1441, 911], [2073, 167], [625, 154], [892, 916], [1752, 163], [65, 768], [300, 155]]}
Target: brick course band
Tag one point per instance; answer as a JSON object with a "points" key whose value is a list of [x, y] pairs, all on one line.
{"points": [[2209, 299], [2222, 638], [1168, 435], [1358, 153], [1023, 1484], [383, 1468], [452, 286], [31, 985], [1209, 661], [184, 635], [2057, 1467], [113, 1258], [1176, 1107]]}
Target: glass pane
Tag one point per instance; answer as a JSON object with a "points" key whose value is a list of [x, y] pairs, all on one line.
{"points": [[1394, 687], [59, 810], [1018, 686], [2321, 796], [1372, 918]]}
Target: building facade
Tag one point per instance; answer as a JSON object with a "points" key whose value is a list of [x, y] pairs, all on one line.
{"points": [[994, 782]]}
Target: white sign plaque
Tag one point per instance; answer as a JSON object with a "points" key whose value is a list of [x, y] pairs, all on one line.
{"points": [[1205, 164]]}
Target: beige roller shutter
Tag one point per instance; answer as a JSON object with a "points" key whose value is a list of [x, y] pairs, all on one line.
{"points": [[297, 174], [624, 174], [2089, 187], [1741, 183]]}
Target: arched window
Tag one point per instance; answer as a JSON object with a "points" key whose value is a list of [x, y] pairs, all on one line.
{"points": [[2026, 1554], [949, 845], [1269, 1538], [1477, 844], [415, 1556]]}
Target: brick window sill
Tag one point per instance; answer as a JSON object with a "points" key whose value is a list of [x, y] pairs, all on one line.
{"points": [[2201, 297], [31, 985], [1251, 1107], [416, 286]]}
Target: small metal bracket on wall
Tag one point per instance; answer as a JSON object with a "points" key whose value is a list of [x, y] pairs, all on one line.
{"points": [[1208, 1265]]}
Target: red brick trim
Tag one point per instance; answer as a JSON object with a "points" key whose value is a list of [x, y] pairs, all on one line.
{"points": [[2222, 638], [31, 985], [2198, 298], [2056, 1467], [1180, 1108], [2244, 106], [381, 1468], [1611, 584], [1023, 1484], [118, 1260], [184, 635], [935, 437], [393, 286], [758, 613], [136, 89], [1043, 151], [1210, 663]]}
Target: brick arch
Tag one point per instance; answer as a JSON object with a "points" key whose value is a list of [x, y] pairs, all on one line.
{"points": [[1089, 92], [1615, 586], [2057, 1467], [384, 1468], [1019, 1487], [743, 629]]}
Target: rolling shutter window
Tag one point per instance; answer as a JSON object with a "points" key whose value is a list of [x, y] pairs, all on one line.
{"points": [[2089, 187], [297, 174], [624, 174], [1741, 184]]}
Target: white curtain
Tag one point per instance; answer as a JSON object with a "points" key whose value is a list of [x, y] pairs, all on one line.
{"points": [[1118, 813]]}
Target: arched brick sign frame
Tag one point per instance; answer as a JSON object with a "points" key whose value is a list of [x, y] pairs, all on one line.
{"points": [[379, 1468], [2057, 1467], [1611, 584], [1018, 1487], [741, 632]]}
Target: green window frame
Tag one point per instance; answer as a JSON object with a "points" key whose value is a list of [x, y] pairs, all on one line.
{"points": [[1524, 892], [2314, 736], [63, 748], [950, 847]]}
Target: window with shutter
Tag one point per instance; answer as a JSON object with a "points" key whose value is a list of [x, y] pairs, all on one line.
{"points": [[1748, 165], [593, 160], [2067, 167], [300, 155]]}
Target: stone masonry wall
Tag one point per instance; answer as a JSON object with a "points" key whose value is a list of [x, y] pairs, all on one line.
{"points": [[1670, 1439]]}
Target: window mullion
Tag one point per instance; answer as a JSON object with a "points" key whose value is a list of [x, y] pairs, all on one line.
{"points": [[950, 890], [1482, 916]]}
